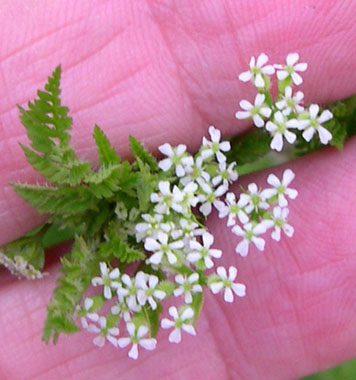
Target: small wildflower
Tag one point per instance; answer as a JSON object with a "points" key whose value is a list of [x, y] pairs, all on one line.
{"points": [[253, 200], [161, 247], [232, 209], [150, 227], [289, 103], [195, 173], [148, 293], [215, 146], [204, 252], [226, 282], [280, 188], [257, 112], [311, 122], [104, 333], [279, 129], [209, 197], [257, 71], [250, 233], [179, 322], [280, 223], [107, 279], [176, 157], [188, 285], [226, 174], [137, 338], [167, 199], [291, 68]]}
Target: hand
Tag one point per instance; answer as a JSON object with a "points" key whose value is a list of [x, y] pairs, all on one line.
{"points": [[165, 71]]}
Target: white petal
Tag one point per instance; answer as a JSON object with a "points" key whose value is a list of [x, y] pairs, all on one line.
{"points": [[216, 287], [257, 119], [208, 239], [276, 234], [281, 75], [308, 134], [221, 271], [187, 314], [217, 253], [148, 344], [277, 142], [123, 342], [237, 230], [273, 180], [228, 295], [164, 187], [313, 110], [290, 137], [173, 312], [166, 323], [133, 353], [239, 289], [259, 82], [292, 58], [189, 329], [259, 243], [288, 177], [265, 111], [260, 98], [288, 230], [175, 336], [205, 209], [292, 193], [156, 258], [268, 70], [261, 60], [114, 274], [245, 76], [165, 164], [242, 115], [324, 135], [194, 257], [242, 247], [166, 149], [301, 66], [232, 273], [271, 127], [107, 292], [297, 79], [225, 146], [215, 134], [325, 116], [246, 105], [172, 259]]}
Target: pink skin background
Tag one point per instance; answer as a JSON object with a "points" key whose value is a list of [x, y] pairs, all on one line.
{"points": [[165, 71]]}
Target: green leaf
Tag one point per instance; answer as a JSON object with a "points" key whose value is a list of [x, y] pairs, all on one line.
{"points": [[117, 248], [63, 201], [78, 268], [144, 155], [107, 154], [197, 305]]}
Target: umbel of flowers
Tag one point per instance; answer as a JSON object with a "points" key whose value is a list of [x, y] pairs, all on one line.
{"points": [[181, 258]]}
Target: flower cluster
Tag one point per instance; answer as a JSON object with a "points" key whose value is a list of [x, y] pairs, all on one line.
{"points": [[180, 256], [283, 118]]}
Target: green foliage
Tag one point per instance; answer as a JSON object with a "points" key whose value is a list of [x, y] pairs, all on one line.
{"points": [[78, 268], [117, 248], [107, 154], [144, 155]]}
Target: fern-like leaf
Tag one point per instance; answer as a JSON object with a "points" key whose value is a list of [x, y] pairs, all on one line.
{"points": [[107, 154], [144, 155]]}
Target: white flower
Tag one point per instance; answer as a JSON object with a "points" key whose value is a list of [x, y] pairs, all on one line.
{"points": [[195, 173], [289, 70], [312, 122], [226, 282], [187, 229], [136, 338], [129, 293], [150, 292], [226, 175], [232, 209], [279, 128], [256, 111], [253, 200], [167, 199], [290, 104], [281, 188], [179, 322], [176, 157], [215, 146], [107, 279], [150, 227], [188, 285], [280, 222], [104, 333], [250, 233], [121, 308], [257, 70], [209, 197], [161, 247], [189, 196], [94, 317], [204, 252]]}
